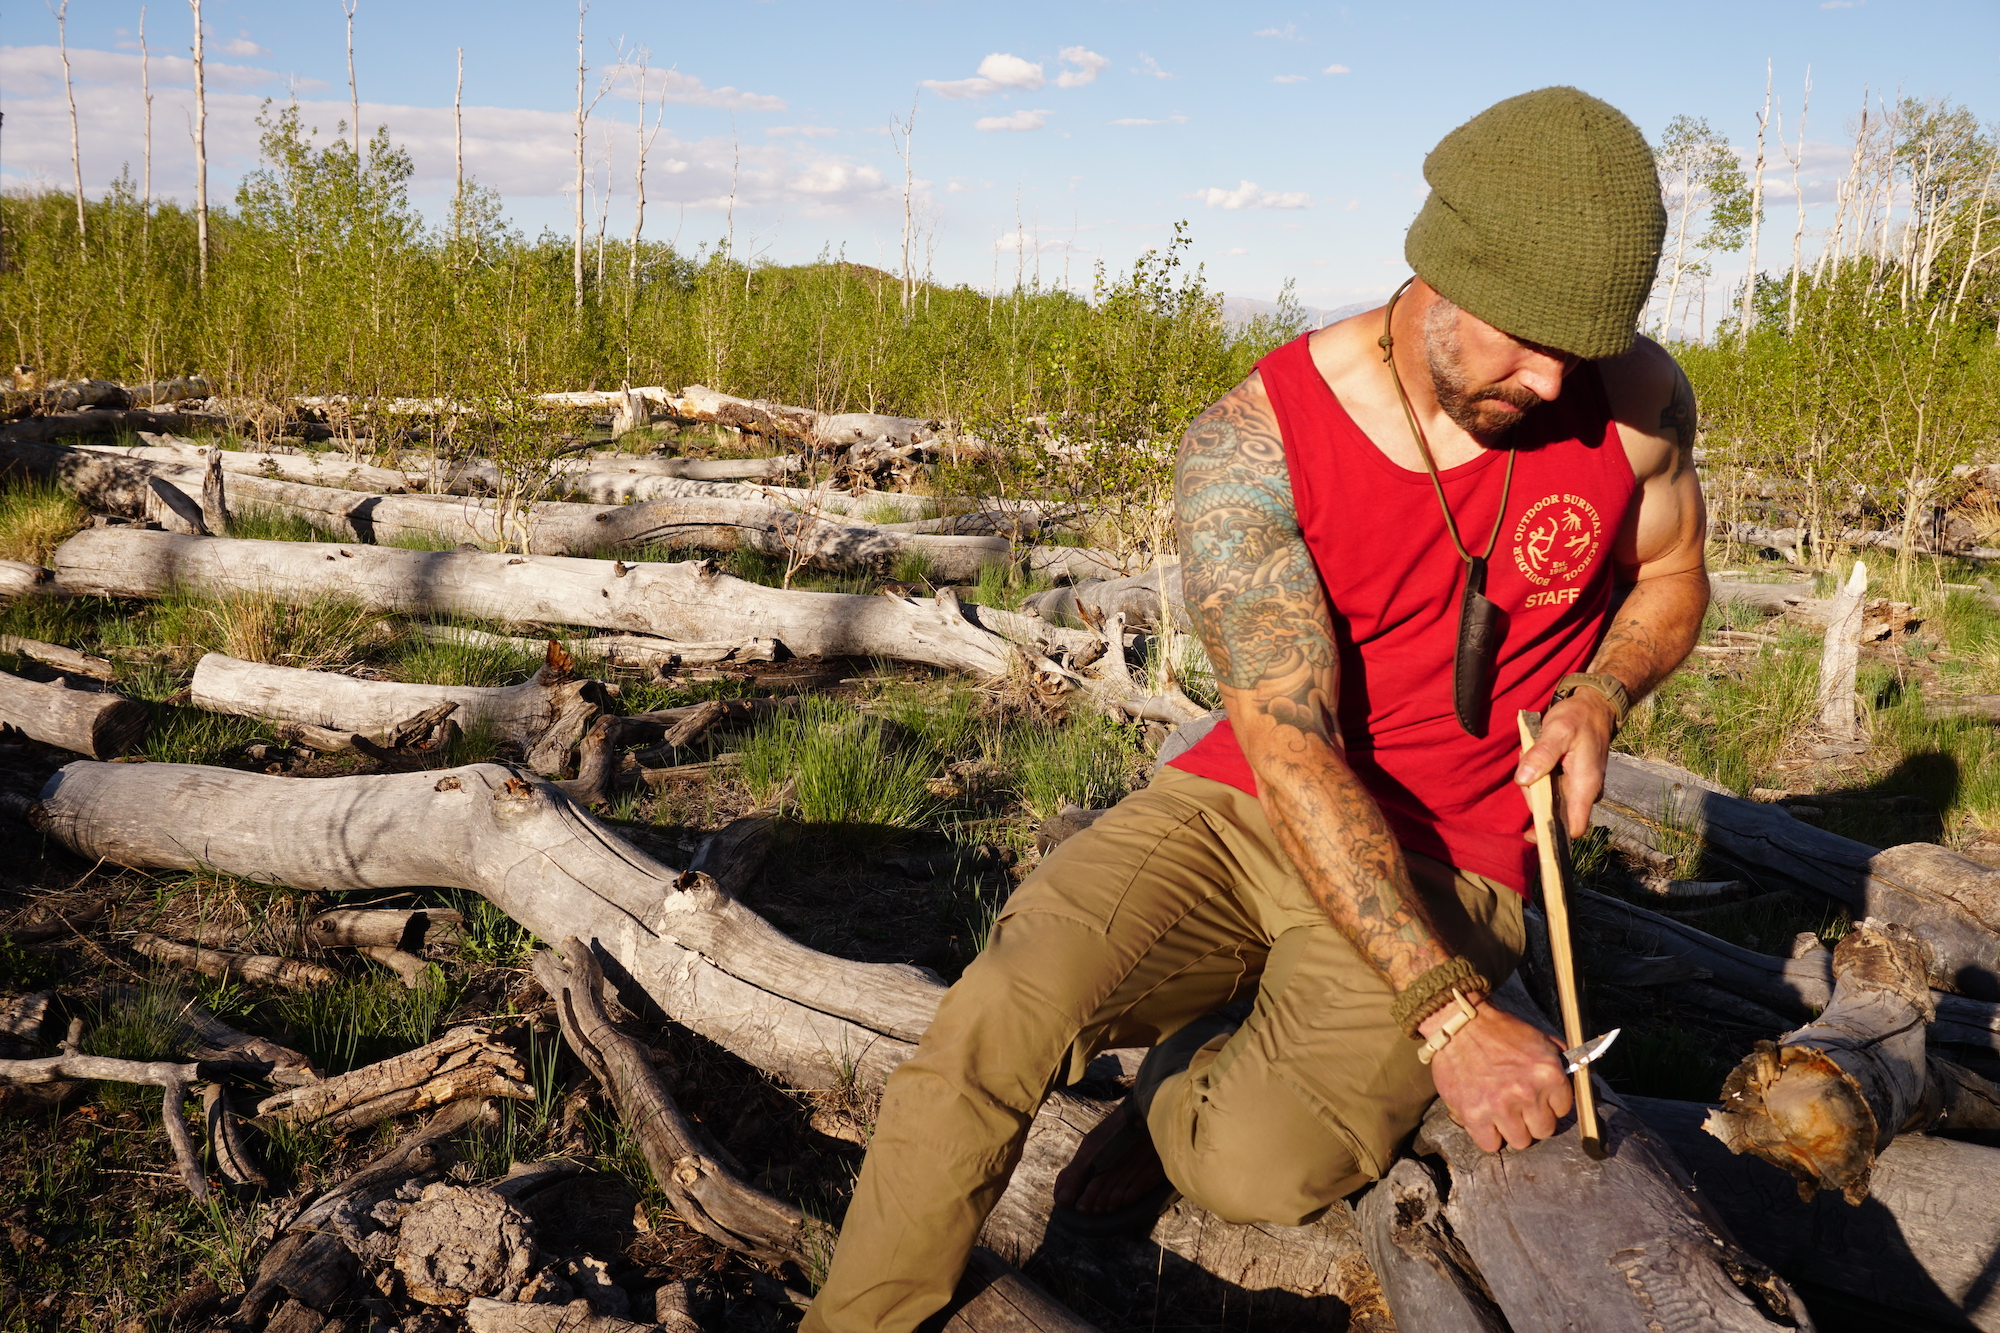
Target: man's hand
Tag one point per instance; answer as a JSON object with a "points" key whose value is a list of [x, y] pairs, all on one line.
{"points": [[1576, 733], [1500, 1078]]}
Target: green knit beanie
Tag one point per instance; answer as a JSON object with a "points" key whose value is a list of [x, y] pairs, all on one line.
{"points": [[1544, 219]]}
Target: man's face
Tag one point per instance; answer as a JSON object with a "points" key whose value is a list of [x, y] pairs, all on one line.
{"points": [[1487, 381]]}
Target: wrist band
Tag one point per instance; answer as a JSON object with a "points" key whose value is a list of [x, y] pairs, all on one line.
{"points": [[1432, 992], [1451, 1028], [1612, 688]]}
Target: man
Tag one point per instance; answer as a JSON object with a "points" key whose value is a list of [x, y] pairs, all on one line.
{"points": [[1401, 530]]}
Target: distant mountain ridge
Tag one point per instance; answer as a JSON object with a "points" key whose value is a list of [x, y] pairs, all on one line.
{"points": [[1243, 309]]}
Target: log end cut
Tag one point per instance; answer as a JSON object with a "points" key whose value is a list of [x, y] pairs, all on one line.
{"points": [[119, 729]]}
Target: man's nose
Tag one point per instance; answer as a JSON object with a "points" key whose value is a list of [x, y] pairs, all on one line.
{"points": [[1542, 375]]}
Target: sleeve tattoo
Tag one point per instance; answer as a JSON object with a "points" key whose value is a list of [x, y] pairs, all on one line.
{"points": [[1257, 602]]}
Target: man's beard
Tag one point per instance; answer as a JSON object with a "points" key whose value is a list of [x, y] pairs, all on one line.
{"points": [[1456, 394]]}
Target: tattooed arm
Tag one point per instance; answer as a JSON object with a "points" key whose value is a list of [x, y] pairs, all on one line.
{"points": [[1660, 567], [1258, 604]]}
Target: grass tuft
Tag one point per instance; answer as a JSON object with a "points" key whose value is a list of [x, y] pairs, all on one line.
{"points": [[1086, 762], [35, 519], [844, 770]]}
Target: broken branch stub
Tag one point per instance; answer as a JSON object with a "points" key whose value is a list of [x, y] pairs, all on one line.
{"points": [[1824, 1100], [223, 964], [469, 1061]]}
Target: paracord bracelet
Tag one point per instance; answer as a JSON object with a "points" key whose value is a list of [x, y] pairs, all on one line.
{"points": [[1432, 991]]}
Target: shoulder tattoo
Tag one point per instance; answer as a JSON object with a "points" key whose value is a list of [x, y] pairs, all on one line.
{"points": [[1678, 416]]}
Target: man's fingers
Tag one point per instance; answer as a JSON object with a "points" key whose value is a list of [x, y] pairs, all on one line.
{"points": [[1542, 757], [1541, 1121], [1515, 1130], [1485, 1136]]}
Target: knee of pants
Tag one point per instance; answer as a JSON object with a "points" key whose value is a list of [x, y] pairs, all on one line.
{"points": [[1279, 1164]]}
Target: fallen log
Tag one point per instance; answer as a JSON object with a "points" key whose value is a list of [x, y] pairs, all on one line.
{"points": [[102, 726], [1791, 541], [617, 650], [1823, 1101], [67, 660], [516, 714], [382, 927], [19, 579], [292, 973], [1952, 901], [324, 468], [176, 390], [1921, 1243], [469, 1061], [102, 421], [1558, 1240], [691, 601]]}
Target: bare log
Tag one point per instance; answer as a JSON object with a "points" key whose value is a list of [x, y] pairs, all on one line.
{"points": [[469, 1061], [225, 1140], [692, 601], [17, 438], [618, 650], [382, 927], [1426, 1275], [214, 496], [1840, 657], [1922, 1242], [1950, 900], [324, 468], [1824, 1100], [19, 579], [517, 714], [102, 726], [293, 973], [483, 1314], [63, 659]]}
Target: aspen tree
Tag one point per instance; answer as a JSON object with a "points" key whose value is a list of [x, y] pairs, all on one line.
{"points": [[200, 146], [1798, 198], [1749, 311], [146, 96], [903, 128], [69, 90], [643, 148], [348, 7], [458, 151]]}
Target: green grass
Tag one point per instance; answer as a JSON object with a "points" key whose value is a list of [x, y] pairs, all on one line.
{"points": [[422, 541], [35, 518], [846, 771], [261, 523], [191, 736], [1087, 761], [359, 1020], [1006, 586], [427, 661]]}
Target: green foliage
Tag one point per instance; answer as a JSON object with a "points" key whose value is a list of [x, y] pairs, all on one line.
{"points": [[358, 1020], [426, 661], [259, 523], [1086, 761], [491, 937], [845, 770], [35, 518]]}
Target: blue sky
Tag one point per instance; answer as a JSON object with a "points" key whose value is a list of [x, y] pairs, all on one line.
{"points": [[1049, 136]]}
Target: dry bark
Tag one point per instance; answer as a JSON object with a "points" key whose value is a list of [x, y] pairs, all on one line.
{"points": [[102, 726], [519, 715], [469, 1061], [382, 927], [225, 1141], [19, 579], [1841, 656], [691, 601], [483, 1314], [1824, 1100], [293, 973], [325, 468]]}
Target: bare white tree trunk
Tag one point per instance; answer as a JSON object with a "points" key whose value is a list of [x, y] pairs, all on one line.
{"points": [[1840, 657], [1749, 310], [200, 146], [576, 267], [903, 150], [1798, 198], [645, 147], [69, 91], [458, 149], [348, 7], [1972, 254], [146, 95]]}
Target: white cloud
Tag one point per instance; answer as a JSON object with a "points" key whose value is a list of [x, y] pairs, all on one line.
{"points": [[997, 73], [1088, 64], [1148, 65], [242, 48], [1141, 120], [1336, 69], [1289, 78], [1235, 250], [1350, 205], [1032, 242], [1019, 120], [1247, 195], [802, 131], [1288, 33], [673, 86], [524, 154]]}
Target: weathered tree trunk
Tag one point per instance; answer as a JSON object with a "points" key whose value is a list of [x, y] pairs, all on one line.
{"points": [[1427, 1277], [1950, 900], [382, 927], [66, 660], [1841, 656], [1824, 1100], [19, 579], [102, 726], [1922, 1242], [619, 650], [18, 438], [326, 468], [691, 601], [465, 1062], [518, 714]]}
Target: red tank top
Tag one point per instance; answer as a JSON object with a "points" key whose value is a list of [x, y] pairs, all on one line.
{"points": [[1393, 582]]}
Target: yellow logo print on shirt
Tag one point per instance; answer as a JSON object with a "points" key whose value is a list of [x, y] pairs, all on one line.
{"points": [[1555, 542]]}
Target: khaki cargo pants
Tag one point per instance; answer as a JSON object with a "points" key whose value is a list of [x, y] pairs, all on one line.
{"points": [[1176, 903]]}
